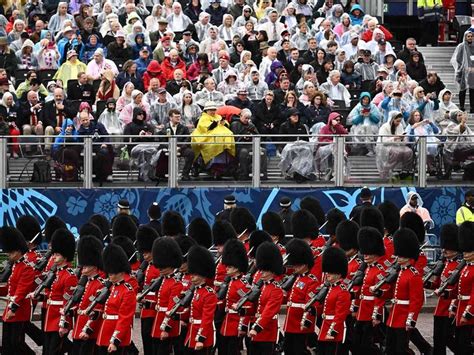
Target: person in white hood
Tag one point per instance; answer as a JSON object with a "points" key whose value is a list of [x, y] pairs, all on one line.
{"points": [[415, 204], [446, 105]]}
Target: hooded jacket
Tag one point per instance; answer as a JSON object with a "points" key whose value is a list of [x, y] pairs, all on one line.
{"points": [[419, 209], [331, 130], [356, 20], [153, 71], [356, 116], [168, 69], [63, 137], [463, 62]]}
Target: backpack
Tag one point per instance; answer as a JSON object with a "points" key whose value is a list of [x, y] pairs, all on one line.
{"points": [[41, 172]]}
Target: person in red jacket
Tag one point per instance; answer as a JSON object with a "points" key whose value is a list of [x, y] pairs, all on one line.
{"points": [[153, 71], [201, 334], [146, 235], [464, 309], [443, 327], [167, 258], [63, 247], [115, 333], [171, 63], [263, 332], [408, 293], [89, 256], [235, 259], [17, 312], [300, 258], [391, 218], [337, 303]]}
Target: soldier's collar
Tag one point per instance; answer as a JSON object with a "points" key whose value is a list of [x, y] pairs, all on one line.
{"points": [[94, 277], [22, 258], [119, 282]]}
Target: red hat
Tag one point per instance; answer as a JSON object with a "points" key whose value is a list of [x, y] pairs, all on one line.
{"points": [[165, 38], [224, 56]]}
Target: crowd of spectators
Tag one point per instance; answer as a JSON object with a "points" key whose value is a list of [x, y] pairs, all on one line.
{"points": [[213, 69]]}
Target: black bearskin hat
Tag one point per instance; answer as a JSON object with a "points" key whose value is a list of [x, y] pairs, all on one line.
{"points": [[201, 262], [124, 225], [89, 252], [242, 220], [185, 243], [115, 259], [449, 237], [299, 253], [304, 225], [30, 228], [273, 224], [201, 232], [11, 239], [406, 243], [90, 229], [346, 235], [145, 238], [268, 258], [222, 231], [102, 222], [173, 224], [335, 261], [314, 207], [127, 245], [371, 216], [63, 242], [415, 223], [370, 241], [234, 254], [255, 239], [167, 253], [466, 237], [391, 216], [334, 217], [52, 224]]}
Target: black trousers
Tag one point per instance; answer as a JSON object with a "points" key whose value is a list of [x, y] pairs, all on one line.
{"points": [[443, 335], [54, 344], [363, 339], [462, 99], [229, 346], [396, 341], [430, 32], [84, 347], [261, 348], [204, 351], [146, 327], [188, 154], [295, 344], [162, 347], [13, 339], [419, 341], [102, 350], [331, 348], [463, 336], [179, 348]]}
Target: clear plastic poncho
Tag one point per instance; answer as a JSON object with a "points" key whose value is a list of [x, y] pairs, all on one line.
{"points": [[463, 63]]}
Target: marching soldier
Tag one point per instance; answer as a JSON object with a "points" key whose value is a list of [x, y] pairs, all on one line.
{"points": [[124, 225], [333, 218], [85, 331], [63, 247], [201, 232], [368, 308], [229, 204], [89, 228], [443, 328], [408, 293], [146, 235], [264, 332], [173, 224], [465, 304], [286, 213], [167, 259], [234, 257], [256, 238], [300, 258], [201, 335], [312, 205], [17, 312], [117, 320], [243, 222], [391, 218], [222, 231], [103, 223], [31, 230], [273, 225], [132, 255]]}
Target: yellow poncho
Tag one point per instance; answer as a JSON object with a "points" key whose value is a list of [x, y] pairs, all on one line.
{"points": [[221, 138]]}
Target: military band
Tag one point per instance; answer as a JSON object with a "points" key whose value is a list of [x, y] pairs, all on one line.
{"points": [[338, 286]]}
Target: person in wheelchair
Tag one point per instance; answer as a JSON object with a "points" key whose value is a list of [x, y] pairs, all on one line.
{"points": [[419, 127], [391, 150]]}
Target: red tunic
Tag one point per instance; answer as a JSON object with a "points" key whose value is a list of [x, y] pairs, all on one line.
{"points": [[119, 311], [407, 298], [151, 273], [268, 308], [237, 287], [335, 311], [317, 269], [389, 248], [303, 289], [94, 284], [46, 291], [465, 295], [421, 263], [201, 321], [221, 271], [353, 265], [61, 290], [442, 307], [20, 284]]}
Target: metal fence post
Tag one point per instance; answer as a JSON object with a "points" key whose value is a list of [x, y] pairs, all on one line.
{"points": [[422, 150], [3, 163], [339, 161], [173, 162], [88, 162], [256, 161]]}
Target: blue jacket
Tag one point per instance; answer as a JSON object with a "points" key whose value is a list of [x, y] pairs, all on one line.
{"points": [[63, 137]]}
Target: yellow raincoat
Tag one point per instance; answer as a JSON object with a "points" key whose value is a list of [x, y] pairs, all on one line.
{"points": [[221, 135]]}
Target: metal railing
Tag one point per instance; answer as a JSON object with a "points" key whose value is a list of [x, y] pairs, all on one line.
{"points": [[340, 143]]}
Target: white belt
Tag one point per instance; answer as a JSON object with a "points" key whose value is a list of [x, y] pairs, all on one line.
{"points": [[295, 305], [110, 316], [54, 303], [81, 312], [258, 316], [367, 298], [231, 311], [328, 317], [151, 293], [162, 309], [464, 298], [401, 302], [195, 321]]}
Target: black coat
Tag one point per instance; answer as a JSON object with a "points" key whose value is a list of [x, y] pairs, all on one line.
{"points": [[263, 117], [81, 92], [436, 87], [48, 114], [294, 132]]}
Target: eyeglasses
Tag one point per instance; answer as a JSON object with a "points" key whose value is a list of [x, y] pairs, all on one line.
{"points": [[246, 10]]}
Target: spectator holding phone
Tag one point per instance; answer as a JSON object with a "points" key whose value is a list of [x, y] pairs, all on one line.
{"points": [[426, 104], [395, 102]]}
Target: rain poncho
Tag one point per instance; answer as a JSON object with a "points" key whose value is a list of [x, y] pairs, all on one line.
{"points": [[111, 122], [429, 130], [297, 157], [419, 209], [210, 143], [366, 125], [463, 63], [427, 108], [395, 104], [445, 107]]}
